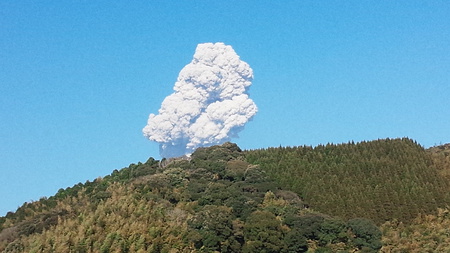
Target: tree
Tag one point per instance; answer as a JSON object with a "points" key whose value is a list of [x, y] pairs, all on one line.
{"points": [[214, 224], [367, 234], [295, 241], [263, 233], [332, 231]]}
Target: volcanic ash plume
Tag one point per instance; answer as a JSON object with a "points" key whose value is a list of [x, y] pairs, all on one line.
{"points": [[209, 105]]}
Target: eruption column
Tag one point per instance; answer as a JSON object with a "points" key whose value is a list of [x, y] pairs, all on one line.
{"points": [[209, 105]]}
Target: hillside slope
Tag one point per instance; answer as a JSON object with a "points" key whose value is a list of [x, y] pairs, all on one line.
{"points": [[228, 200], [215, 201], [379, 180], [441, 157]]}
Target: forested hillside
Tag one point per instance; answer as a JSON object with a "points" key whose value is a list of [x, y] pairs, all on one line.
{"points": [[380, 180], [426, 233], [329, 198], [215, 201], [441, 157]]}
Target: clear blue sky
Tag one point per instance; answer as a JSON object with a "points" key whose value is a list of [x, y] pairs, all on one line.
{"points": [[78, 79]]}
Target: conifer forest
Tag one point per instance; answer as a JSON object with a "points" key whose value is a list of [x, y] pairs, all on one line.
{"points": [[386, 195]]}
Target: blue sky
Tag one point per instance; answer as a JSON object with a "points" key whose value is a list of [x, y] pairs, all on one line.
{"points": [[78, 79]]}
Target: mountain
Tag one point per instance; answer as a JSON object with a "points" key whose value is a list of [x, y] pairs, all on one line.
{"points": [[330, 198], [379, 180]]}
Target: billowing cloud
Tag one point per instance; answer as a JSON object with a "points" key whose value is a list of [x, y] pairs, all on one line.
{"points": [[209, 106]]}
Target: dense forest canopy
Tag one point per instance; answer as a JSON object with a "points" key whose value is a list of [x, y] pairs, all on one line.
{"points": [[363, 197], [379, 180]]}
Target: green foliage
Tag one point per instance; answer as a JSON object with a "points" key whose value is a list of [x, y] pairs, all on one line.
{"points": [[263, 233], [309, 224], [379, 180], [214, 202], [333, 231], [367, 234], [215, 226], [215, 158], [235, 170], [218, 201], [295, 241]]}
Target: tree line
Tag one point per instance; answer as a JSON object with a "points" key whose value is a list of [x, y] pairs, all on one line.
{"points": [[379, 180], [214, 202]]}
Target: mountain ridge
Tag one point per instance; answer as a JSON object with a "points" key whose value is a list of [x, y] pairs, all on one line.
{"points": [[219, 198]]}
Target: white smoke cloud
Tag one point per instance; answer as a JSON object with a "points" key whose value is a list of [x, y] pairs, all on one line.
{"points": [[209, 105]]}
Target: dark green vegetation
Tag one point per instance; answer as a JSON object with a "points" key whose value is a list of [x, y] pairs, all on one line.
{"points": [[215, 201], [379, 180], [295, 199]]}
